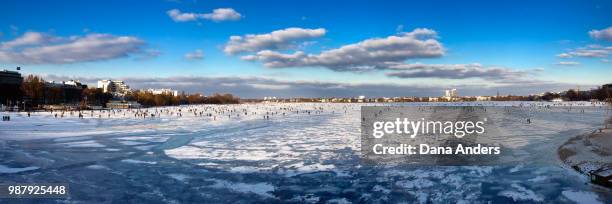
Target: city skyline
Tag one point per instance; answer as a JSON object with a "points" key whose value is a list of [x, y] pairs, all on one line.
{"points": [[255, 50]]}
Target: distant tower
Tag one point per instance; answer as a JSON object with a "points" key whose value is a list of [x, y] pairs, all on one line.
{"points": [[450, 93]]}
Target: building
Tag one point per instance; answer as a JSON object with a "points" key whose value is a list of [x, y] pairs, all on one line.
{"points": [[361, 99], [64, 92], [76, 84], [122, 104], [10, 77], [115, 87], [163, 91], [557, 100], [450, 93], [483, 98], [10, 86]]}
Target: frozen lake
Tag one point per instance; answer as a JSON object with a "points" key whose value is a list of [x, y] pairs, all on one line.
{"points": [[301, 153]]}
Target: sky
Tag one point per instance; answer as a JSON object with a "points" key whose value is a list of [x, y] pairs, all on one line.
{"points": [[339, 48]]}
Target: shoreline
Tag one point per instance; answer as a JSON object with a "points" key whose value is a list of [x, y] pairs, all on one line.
{"points": [[590, 154], [567, 104]]}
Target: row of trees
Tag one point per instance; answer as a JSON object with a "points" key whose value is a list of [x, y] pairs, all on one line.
{"points": [[36, 92], [95, 97], [602, 93], [166, 99]]}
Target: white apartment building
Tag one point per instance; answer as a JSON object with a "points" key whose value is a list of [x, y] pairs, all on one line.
{"points": [[65, 84], [450, 93], [114, 87], [73, 83], [163, 91]]}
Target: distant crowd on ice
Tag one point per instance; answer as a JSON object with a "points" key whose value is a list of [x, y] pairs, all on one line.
{"points": [[270, 110]]}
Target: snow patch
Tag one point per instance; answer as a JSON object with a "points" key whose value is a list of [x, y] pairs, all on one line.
{"points": [[521, 194], [581, 196], [10, 170], [98, 167], [179, 177], [89, 143], [133, 161], [261, 189]]}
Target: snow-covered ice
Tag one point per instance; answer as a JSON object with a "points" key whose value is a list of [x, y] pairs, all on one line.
{"points": [[305, 153]]}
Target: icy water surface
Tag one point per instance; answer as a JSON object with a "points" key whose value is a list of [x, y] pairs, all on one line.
{"points": [[308, 156]]}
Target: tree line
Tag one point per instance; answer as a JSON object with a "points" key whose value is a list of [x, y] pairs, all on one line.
{"points": [[35, 92], [146, 98], [602, 93]]}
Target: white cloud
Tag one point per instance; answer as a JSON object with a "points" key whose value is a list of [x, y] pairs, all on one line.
{"points": [[271, 86], [568, 63], [605, 34], [149, 54], [223, 14], [195, 55], [279, 39], [178, 16], [564, 55], [592, 52], [218, 15], [375, 53], [39, 48], [28, 39]]}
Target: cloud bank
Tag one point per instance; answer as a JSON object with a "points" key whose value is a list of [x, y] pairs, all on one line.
{"points": [[387, 54], [370, 54], [275, 40], [593, 50], [41, 48], [590, 51], [456, 71]]}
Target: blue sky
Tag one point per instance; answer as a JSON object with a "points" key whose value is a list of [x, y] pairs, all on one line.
{"points": [[416, 46]]}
